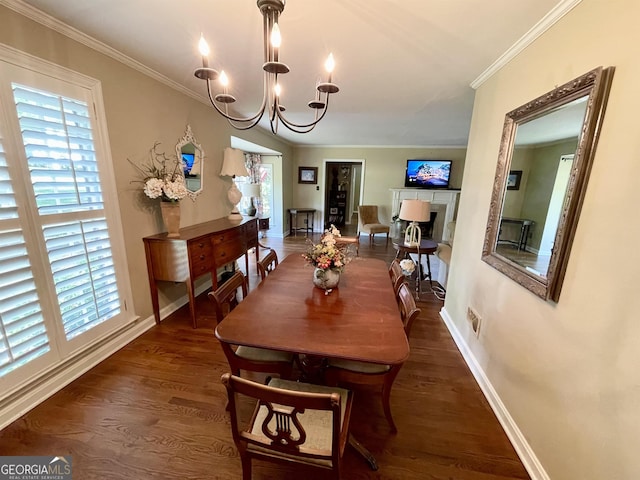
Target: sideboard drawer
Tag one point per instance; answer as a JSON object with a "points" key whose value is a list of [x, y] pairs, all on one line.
{"points": [[251, 235], [227, 237], [198, 250], [201, 256], [228, 251]]}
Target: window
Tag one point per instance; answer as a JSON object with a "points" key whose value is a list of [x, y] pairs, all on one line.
{"points": [[63, 285]]}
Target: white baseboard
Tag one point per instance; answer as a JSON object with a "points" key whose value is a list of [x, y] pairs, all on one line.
{"points": [[517, 439], [17, 405]]}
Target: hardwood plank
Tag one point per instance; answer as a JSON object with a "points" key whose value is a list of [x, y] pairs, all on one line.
{"points": [[156, 409]]}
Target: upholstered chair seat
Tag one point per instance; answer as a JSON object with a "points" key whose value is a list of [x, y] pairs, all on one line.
{"points": [[252, 359], [292, 423], [263, 354], [369, 223], [354, 373]]}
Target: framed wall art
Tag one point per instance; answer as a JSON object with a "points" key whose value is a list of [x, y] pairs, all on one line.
{"points": [[513, 181], [308, 175]]}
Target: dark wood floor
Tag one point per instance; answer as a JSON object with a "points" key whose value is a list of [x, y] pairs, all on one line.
{"points": [[156, 410]]}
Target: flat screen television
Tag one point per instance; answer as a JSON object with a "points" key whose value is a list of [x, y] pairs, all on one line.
{"points": [[187, 162], [427, 173]]}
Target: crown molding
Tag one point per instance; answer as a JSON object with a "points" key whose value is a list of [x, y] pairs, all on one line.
{"points": [[554, 15], [54, 24]]}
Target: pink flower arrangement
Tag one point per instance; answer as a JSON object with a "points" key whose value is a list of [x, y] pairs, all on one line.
{"points": [[327, 254]]}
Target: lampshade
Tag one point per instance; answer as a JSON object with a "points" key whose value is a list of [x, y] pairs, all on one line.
{"points": [[250, 189], [233, 163], [415, 211]]}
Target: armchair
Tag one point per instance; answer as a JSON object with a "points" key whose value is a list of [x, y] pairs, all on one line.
{"points": [[368, 222]]}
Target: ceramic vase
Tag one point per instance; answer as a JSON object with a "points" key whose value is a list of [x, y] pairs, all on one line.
{"points": [[171, 218], [326, 279]]}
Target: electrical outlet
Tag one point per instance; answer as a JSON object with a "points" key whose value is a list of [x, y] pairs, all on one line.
{"points": [[475, 320]]}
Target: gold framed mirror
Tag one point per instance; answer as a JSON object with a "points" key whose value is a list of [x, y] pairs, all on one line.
{"points": [[189, 151], [545, 157]]}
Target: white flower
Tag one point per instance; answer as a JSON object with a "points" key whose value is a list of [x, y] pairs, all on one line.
{"points": [[175, 190], [162, 177], [407, 266]]}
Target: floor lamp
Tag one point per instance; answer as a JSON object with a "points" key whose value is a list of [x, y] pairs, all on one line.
{"points": [[233, 166], [414, 211]]}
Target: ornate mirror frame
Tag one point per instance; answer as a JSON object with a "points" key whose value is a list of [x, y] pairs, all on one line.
{"points": [[193, 178], [594, 85]]}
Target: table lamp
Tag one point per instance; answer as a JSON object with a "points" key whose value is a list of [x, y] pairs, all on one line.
{"points": [[233, 166], [251, 191], [414, 211]]}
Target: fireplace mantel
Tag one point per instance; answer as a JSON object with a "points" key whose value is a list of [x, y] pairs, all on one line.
{"points": [[448, 198]]}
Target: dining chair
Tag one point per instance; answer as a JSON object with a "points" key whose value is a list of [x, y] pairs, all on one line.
{"points": [[292, 423], [253, 359], [353, 373], [267, 264], [397, 276], [368, 222]]}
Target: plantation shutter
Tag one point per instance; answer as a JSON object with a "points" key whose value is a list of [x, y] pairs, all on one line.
{"points": [[63, 280], [56, 133], [23, 335]]}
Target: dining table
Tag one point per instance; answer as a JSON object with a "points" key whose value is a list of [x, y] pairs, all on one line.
{"points": [[358, 320]]}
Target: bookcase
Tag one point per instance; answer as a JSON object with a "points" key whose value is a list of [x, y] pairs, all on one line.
{"points": [[337, 207]]}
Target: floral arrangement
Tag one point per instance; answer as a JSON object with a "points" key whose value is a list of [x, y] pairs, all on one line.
{"points": [[162, 177], [407, 265], [327, 254]]}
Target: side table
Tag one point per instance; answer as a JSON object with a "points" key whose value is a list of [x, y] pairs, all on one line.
{"points": [[293, 220], [427, 247], [263, 226]]}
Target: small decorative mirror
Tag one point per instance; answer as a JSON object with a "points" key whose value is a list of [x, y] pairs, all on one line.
{"points": [[192, 156], [545, 157]]}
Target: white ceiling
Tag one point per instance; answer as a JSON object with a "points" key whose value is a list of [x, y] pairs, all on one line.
{"points": [[404, 67]]}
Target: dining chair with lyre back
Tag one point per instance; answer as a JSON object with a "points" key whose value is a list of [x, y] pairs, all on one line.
{"points": [[292, 423], [397, 276], [253, 359], [351, 373], [409, 311], [267, 264]]}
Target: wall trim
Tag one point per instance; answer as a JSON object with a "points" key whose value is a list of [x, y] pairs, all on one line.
{"points": [[29, 397], [54, 24], [517, 439], [550, 19]]}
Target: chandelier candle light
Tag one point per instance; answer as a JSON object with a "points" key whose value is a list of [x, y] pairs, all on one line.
{"points": [[233, 166], [271, 10], [414, 211]]}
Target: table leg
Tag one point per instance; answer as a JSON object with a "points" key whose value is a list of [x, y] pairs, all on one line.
{"points": [[312, 368], [192, 302], [362, 450], [429, 272]]}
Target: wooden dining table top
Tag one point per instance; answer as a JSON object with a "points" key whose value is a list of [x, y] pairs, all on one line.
{"points": [[358, 320]]}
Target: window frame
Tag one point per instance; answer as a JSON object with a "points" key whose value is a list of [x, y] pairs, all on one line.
{"points": [[20, 67]]}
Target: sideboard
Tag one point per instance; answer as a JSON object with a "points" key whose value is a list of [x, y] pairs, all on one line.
{"points": [[198, 250]]}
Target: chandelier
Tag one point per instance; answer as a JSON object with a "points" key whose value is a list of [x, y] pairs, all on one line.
{"points": [[271, 10]]}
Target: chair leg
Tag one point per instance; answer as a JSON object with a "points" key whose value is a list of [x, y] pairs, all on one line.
{"points": [[371, 239], [246, 467]]}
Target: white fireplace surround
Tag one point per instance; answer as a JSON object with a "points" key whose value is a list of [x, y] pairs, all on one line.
{"points": [[446, 200]]}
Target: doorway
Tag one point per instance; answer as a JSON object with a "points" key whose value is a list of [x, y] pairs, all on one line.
{"points": [[343, 188]]}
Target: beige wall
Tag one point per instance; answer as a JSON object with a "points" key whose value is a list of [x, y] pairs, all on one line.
{"points": [[384, 169], [566, 373], [141, 111]]}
